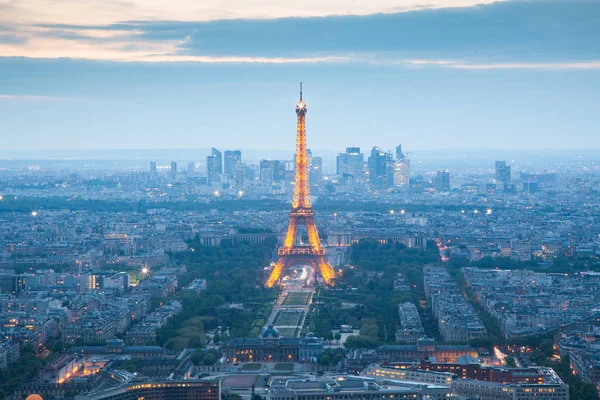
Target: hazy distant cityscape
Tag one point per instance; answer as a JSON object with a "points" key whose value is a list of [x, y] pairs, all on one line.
{"points": [[508, 251]]}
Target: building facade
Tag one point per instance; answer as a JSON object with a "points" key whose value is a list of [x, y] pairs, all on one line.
{"points": [[271, 347], [232, 161], [197, 390], [401, 168]]}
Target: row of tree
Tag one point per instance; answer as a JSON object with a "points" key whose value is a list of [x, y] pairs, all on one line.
{"points": [[234, 276]]}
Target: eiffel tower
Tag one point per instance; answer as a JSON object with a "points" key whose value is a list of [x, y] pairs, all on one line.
{"points": [[301, 214]]}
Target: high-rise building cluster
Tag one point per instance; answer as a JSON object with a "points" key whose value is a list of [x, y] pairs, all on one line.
{"points": [[354, 171], [381, 172]]}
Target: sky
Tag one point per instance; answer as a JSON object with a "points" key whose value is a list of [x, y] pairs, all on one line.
{"points": [[184, 74]]}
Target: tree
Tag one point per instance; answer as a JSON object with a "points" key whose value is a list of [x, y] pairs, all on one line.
{"points": [[132, 365], [369, 327], [338, 336], [361, 342], [216, 338], [197, 357], [195, 342], [547, 347], [325, 360], [510, 361], [230, 396], [209, 359], [170, 344]]}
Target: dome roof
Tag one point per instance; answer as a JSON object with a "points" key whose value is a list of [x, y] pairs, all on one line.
{"points": [[270, 332]]}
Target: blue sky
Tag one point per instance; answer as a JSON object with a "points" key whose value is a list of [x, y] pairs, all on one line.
{"points": [[509, 74]]}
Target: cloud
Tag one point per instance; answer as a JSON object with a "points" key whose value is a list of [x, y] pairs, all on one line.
{"points": [[498, 35], [114, 11], [111, 48], [30, 97], [574, 65]]}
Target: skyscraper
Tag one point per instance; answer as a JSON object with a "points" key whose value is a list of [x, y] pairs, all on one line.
{"points": [[233, 158], [502, 173], [316, 170], [153, 167], [351, 163], [401, 168], [315, 167], [191, 169], [442, 181], [211, 170], [173, 170], [239, 177], [381, 169], [218, 160], [272, 171]]}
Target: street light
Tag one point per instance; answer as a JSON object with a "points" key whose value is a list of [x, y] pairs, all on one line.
{"points": [[145, 270]]}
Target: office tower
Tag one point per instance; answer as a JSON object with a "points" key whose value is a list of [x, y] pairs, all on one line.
{"points": [[239, 177], [401, 168], [290, 173], [272, 171], [173, 169], [152, 167], [233, 158], [316, 170], [381, 169], [250, 171], [502, 173], [442, 181], [315, 167], [218, 160], [191, 169], [211, 170], [266, 172], [351, 163]]}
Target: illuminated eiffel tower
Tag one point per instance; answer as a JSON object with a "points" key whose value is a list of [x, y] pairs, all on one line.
{"points": [[301, 214]]}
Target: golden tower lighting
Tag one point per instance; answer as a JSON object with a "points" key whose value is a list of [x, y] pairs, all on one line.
{"points": [[301, 214]]}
